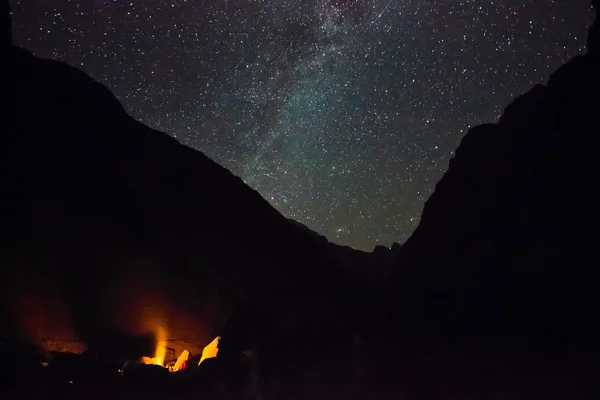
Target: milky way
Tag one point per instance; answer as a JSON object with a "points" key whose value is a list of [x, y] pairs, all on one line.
{"points": [[342, 114]]}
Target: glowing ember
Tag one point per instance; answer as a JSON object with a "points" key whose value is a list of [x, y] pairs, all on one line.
{"points": [[211, 350]]}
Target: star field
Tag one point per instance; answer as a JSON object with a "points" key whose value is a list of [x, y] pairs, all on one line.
{"points": [[343, 114]]}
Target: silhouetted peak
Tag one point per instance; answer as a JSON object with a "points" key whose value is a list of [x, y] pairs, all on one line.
{"points": [[511, 226], [172, 224]]}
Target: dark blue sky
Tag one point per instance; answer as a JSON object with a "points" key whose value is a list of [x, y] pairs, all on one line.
{"points": [[343, 114]]}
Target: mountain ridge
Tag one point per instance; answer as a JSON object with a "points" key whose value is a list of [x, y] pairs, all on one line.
{"points": [[505, 242], [129, 225]]}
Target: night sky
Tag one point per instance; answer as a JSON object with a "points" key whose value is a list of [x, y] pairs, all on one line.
{"points": [[343, 114]]}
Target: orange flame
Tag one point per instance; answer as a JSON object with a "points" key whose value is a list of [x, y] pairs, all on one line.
{"points": [[161, 349], [211, 350], [180, 363]]}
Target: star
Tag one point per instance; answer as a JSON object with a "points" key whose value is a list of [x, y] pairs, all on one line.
{"points": [[340, 113]]}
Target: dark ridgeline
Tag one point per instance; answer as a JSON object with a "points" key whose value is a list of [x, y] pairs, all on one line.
{"points": [[375, 267], [110, 227], [495, 293], [505, 258]]}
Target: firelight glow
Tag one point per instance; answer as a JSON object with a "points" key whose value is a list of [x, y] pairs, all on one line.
{"points": [[161, 349]]}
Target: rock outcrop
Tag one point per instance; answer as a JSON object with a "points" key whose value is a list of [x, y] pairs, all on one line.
{"points": [[505, 255]]}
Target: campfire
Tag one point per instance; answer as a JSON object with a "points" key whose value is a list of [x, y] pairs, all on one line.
{"points": [[88, 374], [145, 345], [161, 349], [164, 356]]}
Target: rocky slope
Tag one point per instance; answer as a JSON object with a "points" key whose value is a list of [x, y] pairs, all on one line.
{"points": [[496, 290], [111, 228], [506, 255]]}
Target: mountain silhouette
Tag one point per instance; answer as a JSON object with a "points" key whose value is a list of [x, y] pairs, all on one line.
{"points": [[111, 228], [505, 253]]}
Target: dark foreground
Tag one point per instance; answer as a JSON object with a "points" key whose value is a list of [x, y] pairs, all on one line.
{"points": [[368, 372]]}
